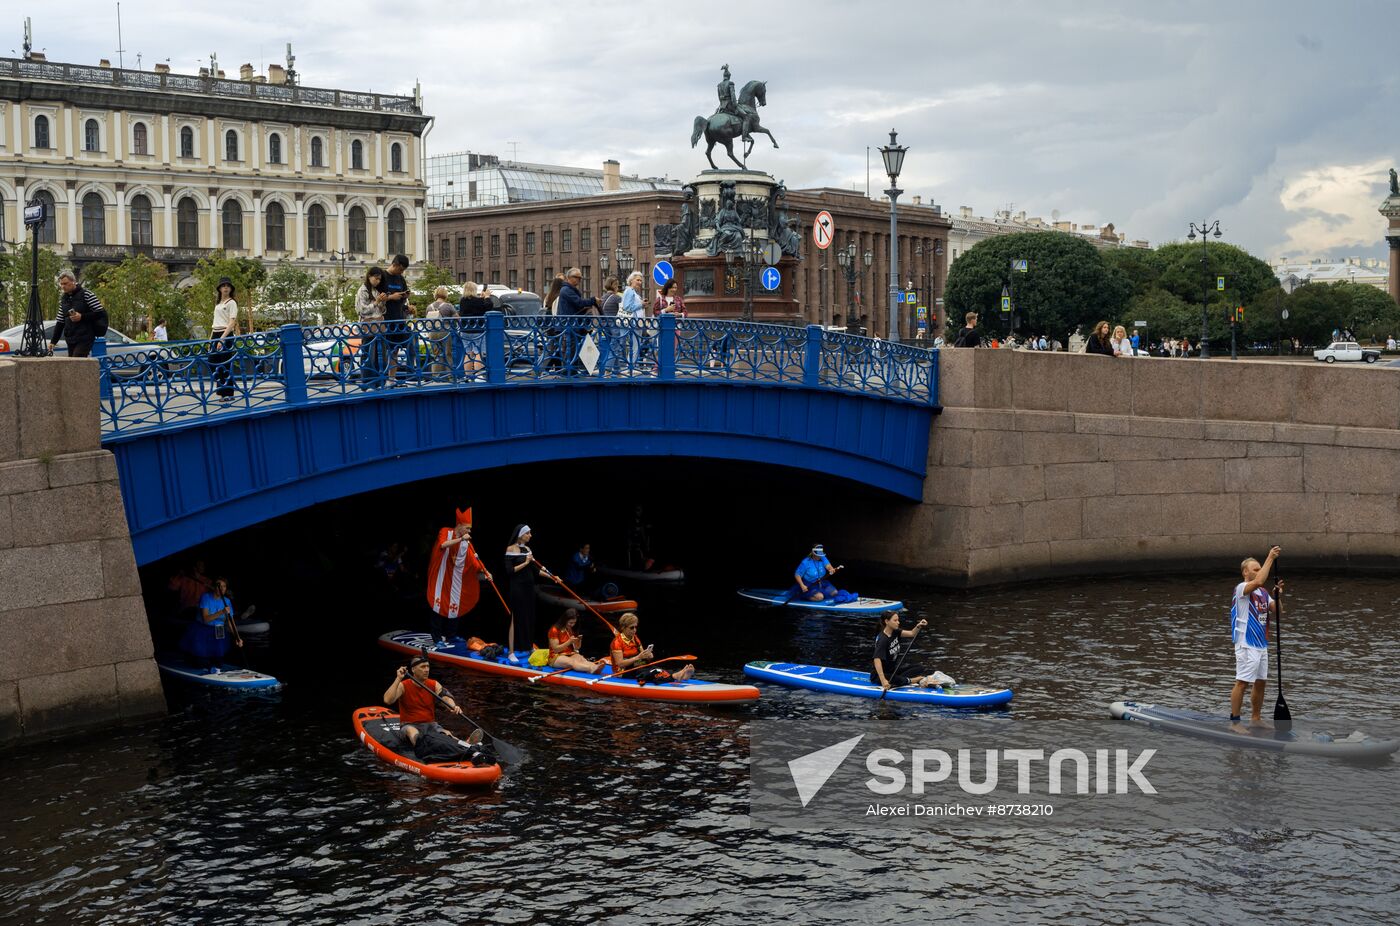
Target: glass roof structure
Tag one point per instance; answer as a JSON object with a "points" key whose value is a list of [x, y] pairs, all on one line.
{"points": [[464, 180]]}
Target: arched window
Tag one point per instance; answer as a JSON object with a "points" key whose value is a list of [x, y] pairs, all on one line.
{"points": [[187, 223], [357, 155], [41, 132], [274, 148], [186, 142], [47, 231], [230, 145], [142, 223], [396, 157], [316, 152], [276, 220], [140, 144], [359, 240], [396, 239], [92, 136], [233, 224], [316, 228], [94, 219]]}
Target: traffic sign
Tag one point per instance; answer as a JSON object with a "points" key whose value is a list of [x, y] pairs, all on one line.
{"points": [[1220, 284], [911, 297], [921, 312], [1021, 266], [772, 253], [1140, 324], [823, 230], [771, 278], [1006, 303], [1285, 315], [662, 272]]}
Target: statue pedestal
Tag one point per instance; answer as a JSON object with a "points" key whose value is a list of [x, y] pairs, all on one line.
{"points": [[1391, 210]]}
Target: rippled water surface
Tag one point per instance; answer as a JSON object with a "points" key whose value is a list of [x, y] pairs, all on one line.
{"points": [[266, 810]]}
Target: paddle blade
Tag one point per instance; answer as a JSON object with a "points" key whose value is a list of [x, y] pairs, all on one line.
{"points": [[1283, 720], [506, 752]]}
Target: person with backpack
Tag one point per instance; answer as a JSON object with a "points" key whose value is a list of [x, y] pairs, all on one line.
{"points": [[967, 335], [81, 317]]}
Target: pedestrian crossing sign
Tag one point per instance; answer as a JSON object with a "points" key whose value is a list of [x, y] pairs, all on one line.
{"points": [[1006, 303]]}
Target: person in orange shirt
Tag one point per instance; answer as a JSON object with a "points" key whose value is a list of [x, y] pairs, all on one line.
{"points": [[628, 651], [564, 645], [415, 702]]}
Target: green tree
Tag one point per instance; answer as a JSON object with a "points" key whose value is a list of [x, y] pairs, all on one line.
{"points": [[137, 292], [1318, 309], [15, 271], [430, 277], [1138, 267], [1067, 286], [1247, 280], [287, 294], [1167, 316], [246, 274]]}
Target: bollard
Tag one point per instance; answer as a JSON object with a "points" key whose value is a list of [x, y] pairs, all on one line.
{"points": [[495, 347], [104, 368], [293, 363], [812, 358], [666, 348]]}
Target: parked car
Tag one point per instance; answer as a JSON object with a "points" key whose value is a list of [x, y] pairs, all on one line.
{"points": [[117, 343], [1346, 351]]}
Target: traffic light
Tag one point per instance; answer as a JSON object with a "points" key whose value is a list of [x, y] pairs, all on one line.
{"points": [[1239, 315]]}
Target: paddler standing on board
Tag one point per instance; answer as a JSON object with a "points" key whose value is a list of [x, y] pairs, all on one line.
{"points": [[454, 577], [1249, 631]]}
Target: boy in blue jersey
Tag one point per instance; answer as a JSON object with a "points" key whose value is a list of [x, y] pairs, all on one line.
{"points": [[1249, 631]]}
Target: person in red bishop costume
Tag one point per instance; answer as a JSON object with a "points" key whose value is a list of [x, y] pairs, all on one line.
{"points": [[454, 579]]}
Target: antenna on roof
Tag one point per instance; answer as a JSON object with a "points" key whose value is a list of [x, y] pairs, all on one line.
{"points": [[213, 64], [121, 63], [291, 65], [28, 37], [514, 150]]}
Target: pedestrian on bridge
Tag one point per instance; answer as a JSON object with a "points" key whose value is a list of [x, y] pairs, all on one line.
{"points": [[81, 318], [221, 334]]}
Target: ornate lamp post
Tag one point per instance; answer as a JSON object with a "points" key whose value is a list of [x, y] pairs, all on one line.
{"points": [[1206, 230], [893, 154], [625, 262], [603, 266], [34, 343], [850, 262]]}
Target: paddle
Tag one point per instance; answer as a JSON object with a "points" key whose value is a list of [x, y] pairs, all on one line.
{"points": [[238, 640], [1283, 720], [787, 599], [506, 752], [594, 681], [580, 600], [899, 662]]}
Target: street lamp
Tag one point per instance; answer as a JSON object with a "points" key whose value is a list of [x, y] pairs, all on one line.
{"points": [[1206, 230], [850, 263], [625, 262], [603, 265], [893, 154], [34, 343]]}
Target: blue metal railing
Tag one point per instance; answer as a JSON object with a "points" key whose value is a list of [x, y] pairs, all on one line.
{"points": [[183, 382]]}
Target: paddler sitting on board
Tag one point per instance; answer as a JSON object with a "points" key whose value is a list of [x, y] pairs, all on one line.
{"points": [[1249, 631], [454, 579], [565, 645], [889, 643], [813, 583], [628, 652], [411, 694]]}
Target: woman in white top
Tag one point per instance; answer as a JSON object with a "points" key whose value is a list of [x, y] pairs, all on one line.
{"points": [[633, 311], [1122, 344], [223, 329]]}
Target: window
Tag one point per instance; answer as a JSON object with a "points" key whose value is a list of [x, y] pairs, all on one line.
{"points": [[604, 236], [233, 224], [317, 151], [549, 242], [566, 240], [480, 278], [530, 279], [645, 271], [230, 145], [48, 231], [397, 242], [41, 132], [624, 236], [585, 239], [462, 248], [529, 242], [514, 281], [143, 229], [430, 250], [357, 155], [587, 277], [186, 142], [140, 143], [274, 148], [476, 246], [187, 223], [316, 228], [92, 136], [359, 235], [495, 245], [94, 220], [512, 244], [549, 273], [644, 235], [396, 158], [276, 222]]}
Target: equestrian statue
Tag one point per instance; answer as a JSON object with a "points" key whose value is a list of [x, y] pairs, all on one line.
{"points": [[733, 119]]}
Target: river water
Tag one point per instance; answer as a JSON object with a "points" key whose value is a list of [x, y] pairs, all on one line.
{"points": [[266, 810]]}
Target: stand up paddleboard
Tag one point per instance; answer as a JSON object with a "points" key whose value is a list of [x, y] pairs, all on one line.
{"points": [[692, 690], [849, 682], [777, 598], [662, 577], [1215, 727], [378, 729], [225, 676], [552, 595]]}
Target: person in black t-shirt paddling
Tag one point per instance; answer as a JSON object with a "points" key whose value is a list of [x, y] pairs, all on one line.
{"points": [[889, 643]]}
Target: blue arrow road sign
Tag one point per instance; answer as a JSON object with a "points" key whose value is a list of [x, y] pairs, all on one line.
{"points": [[662, 272], [771, 278]]}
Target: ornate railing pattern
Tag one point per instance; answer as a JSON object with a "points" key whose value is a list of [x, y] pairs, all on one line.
{"points": [[183, 382]]}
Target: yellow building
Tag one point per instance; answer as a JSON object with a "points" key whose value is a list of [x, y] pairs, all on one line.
{"points": [[176, 166]]}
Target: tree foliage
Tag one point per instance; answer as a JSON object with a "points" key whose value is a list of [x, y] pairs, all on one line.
{"points": [[430, 277], [16, 268], [246, 274], [1317, 309], [136, 293], [287, 295]]}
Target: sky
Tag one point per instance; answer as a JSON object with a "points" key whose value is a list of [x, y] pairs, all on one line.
{"points": [[1276, 118]]}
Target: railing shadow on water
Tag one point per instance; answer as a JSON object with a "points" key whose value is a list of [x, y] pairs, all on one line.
{"points": [[181, 383]]}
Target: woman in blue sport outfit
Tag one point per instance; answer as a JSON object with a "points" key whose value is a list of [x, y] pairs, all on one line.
{"points": [[811, 576]]}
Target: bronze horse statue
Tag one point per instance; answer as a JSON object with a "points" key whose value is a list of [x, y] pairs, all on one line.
{"points": [[724, 128]]}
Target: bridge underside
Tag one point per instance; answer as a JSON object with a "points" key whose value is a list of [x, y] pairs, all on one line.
{"points": [[187, 485]]}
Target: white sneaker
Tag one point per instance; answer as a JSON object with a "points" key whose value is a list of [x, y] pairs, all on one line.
{"points": [[513, 659]]}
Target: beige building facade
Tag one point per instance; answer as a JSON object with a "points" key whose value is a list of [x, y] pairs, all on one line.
{"points": [[178, 166]]}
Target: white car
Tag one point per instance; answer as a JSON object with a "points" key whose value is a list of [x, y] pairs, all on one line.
{"points": [[1346, 351]]}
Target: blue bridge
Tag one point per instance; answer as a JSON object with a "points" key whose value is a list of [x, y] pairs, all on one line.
{"points": [[211, 437]]}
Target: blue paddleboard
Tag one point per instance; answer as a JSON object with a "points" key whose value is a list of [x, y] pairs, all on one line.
{"points": [[780, 598], [225, 676], [849, 682]]}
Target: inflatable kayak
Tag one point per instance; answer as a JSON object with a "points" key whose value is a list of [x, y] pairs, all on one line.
{"points": [[692, 690], [779, 598], [554, 595], [225, 676], [1216, 727], [378, 729], [849, 682], [661, 577]]}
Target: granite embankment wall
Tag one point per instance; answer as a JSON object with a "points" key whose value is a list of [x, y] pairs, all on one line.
{"points": [[75, 648], [1068, 464]]}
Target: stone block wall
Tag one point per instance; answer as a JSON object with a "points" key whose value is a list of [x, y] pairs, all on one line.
{"points": [[75, 647], [1069, 464]]}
